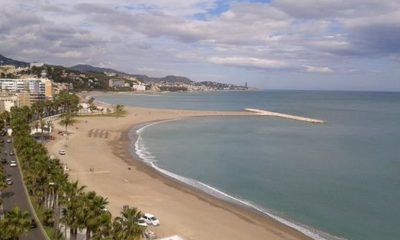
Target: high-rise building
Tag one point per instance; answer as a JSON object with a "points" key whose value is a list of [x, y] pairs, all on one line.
{"points": [[24, 99], [39, 89], [48, 89]]}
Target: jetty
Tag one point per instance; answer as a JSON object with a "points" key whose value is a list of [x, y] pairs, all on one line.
{"points": [[283, 115]]}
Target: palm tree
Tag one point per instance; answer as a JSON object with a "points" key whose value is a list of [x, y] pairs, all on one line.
{"points": [[104, 229], [94, 208], [42, 124], [70, 199], [126, 227], [3, 185], [50, 126], [38, 110], [67, 120], [37, 126], [119, 111], [16, 223]]}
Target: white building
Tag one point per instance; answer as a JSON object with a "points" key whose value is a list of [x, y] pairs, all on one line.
{"points": [[31, 84], [38, 88], [137, 87], [36, 64]]}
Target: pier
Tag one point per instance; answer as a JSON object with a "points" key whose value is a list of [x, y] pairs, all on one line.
{"points": [[282, 115]]}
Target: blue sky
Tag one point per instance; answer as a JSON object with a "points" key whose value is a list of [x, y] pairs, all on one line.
{"points": [[278, 44]]}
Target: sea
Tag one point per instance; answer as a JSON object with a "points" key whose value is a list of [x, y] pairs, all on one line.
{"points": [[339, 180]]}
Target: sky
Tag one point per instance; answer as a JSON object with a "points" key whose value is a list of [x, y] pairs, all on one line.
{"points": [[270, 44]]}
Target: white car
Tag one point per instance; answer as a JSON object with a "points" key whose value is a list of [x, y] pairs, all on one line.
{"points": [[9, 181], [151, 219], [13, 163], [141, 222], [62, 152], [8, 140]]}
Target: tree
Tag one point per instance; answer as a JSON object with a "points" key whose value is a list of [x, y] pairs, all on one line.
{"points": [[49, 187], [3, 185], [67, 120], [70, 199], [119, 111], [68, 102], [126, 227], [50, 126], [91, 100], [94, 210], [37, 109], [15, 223], [42, 124]]}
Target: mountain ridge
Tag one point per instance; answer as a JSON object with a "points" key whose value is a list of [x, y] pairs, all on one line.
{"points": [[8, 61], [141, 77]]}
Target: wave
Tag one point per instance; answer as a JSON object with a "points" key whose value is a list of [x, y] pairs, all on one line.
{"points": [[140, 150]]}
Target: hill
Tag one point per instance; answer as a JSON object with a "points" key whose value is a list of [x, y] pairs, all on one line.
{"points": [[171, 79], [9, 61], [89, 68], [88, 77]]}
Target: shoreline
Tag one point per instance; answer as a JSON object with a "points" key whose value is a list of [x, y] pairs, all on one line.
{"points": [[154, 192], [243, 211], [214, 193]]}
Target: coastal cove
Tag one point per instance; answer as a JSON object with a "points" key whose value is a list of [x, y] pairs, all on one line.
{"points": [[338, 157], [101, 144]]}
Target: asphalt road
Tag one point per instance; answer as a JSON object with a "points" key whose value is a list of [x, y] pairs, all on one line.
{"points": [[14, 195]]}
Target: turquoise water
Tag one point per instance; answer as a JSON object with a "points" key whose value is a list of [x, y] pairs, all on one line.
{"points": [[342, 177]]}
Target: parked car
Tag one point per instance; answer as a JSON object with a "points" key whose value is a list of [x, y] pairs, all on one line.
{"points": [[13, 163], [4, 161], [8, 140], [62, 152], [151, 219], [141, 222], [11, 153], [9, 181]]}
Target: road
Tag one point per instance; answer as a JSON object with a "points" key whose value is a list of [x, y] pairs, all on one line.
{"points": [[14, 195]]}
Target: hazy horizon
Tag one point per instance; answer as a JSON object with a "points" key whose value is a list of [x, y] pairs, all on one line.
{"points": [[282, 44]]}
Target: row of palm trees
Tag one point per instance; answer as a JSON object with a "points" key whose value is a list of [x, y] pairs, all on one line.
{"points": [[14, 222], [63, 103], [66, 206]]}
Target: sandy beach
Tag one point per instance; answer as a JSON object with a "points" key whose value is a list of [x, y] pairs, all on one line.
{"points": [[102, 143]]}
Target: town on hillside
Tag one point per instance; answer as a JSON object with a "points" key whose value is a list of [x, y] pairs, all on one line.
{"points": [[22, 83]]}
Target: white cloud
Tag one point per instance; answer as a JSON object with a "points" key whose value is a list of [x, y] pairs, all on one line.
{"points": [[311, 69], [167, 35], [249, 62]]}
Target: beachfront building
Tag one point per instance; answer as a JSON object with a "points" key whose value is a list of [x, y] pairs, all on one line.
{"points": [[37, 89], [139, 87]]}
